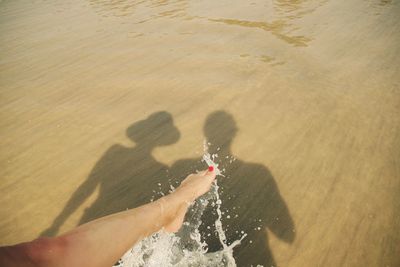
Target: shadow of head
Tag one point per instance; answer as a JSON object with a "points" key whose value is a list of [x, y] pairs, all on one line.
{"points": [[220, 128], [156, 130]]}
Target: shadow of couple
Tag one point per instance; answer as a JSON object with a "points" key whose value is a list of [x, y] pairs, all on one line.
{"points": [[128, 177]]}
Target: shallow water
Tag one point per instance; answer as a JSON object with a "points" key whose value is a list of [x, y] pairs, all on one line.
{"points": [[308, 99]]}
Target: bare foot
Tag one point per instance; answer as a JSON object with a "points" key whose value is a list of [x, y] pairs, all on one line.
{"points": [[191, 188], [197, 184]]}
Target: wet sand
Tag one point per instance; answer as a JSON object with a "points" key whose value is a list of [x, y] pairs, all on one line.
{"points": [[312, 88]]}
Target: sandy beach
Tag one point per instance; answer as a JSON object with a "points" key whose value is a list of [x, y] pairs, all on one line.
{"points": [[101, 101]]}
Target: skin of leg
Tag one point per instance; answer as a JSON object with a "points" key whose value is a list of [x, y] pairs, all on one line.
{"points": [[89, 244]]}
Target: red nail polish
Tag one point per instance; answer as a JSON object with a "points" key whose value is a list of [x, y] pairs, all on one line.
{"points": [[210, 168]]}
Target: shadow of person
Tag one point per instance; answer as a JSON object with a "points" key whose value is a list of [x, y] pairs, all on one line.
{"points": [[127, 177], [251, 201]]}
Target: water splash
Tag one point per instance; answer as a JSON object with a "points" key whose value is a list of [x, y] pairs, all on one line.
{"points": [[185, 248]]}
